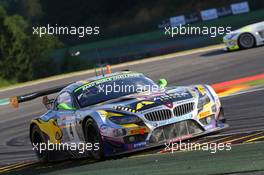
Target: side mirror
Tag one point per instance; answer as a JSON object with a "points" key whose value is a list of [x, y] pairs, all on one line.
{"points": [[47, 102], [162, 83], [65, 106]]}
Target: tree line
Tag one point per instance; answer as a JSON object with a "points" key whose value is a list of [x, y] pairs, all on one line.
{"points": [[23, 56]]}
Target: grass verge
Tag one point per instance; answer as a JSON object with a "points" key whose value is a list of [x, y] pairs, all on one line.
{"points": [[6, 83], [241, 158]]}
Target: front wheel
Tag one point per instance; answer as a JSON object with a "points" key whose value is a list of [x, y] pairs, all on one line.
{"points": [[246, 41], [93, 136]]}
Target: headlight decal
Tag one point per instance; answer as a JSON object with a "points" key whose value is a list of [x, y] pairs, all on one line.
{"points": [[123, 108], [203, 101], [126, 119]]}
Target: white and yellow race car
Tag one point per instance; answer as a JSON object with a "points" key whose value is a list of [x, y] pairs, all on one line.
{"points": [[98, 117], [245, 37]]}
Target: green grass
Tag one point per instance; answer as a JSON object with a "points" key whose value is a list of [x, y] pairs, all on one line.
{"points": [[247, 157], [256, 82], [6, 83]]}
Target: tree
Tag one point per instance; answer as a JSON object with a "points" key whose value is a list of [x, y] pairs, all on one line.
{"points": [[14, 59], [31, 10], [23, 56], [40, 50]]}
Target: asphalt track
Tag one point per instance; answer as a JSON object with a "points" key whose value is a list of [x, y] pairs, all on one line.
{"points": [[244, 112]]}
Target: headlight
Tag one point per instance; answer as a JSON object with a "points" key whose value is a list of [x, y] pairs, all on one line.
{"points": [[203, 101], [121, 120], [119, 132]]}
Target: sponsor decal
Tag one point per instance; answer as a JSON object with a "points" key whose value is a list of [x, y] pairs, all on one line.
{"points": [[136, 145], [169, 105], [138, 131], [139, 145], [175, 119], [108, 79], [143, 103], [171, 96], [180, 138], [204, 114]]}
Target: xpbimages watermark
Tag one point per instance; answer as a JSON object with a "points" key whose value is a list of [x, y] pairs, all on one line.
{"points": [[80, 31], [196, 30], [80, 147], [192, 146], [126, 88]]}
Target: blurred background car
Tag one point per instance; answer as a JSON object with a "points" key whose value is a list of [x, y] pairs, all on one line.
{"points": [[245, 37]]}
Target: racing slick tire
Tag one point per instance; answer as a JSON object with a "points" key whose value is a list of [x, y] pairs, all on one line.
{"points": [[221, 117], [37, 139], [246, 41], [92, 135]]}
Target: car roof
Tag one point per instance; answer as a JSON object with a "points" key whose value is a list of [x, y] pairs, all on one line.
{"points": [[77, 84]]}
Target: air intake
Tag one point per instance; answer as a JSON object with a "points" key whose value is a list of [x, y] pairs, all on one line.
{"points": [[183, 109], [160, 115]]}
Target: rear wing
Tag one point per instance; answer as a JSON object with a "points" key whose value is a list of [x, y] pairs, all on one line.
{"points": [[16, 100]]}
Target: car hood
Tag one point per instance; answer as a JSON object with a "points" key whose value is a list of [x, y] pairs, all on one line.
{"points": [[146, 100]]}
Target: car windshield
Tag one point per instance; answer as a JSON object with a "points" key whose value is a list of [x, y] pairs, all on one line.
{"points": [[112, 87]]}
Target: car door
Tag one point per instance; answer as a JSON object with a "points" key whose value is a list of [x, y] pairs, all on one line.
{"points": [[65, 110]]}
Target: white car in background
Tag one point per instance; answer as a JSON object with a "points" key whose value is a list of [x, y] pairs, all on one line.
{"points": [[245, 37]]}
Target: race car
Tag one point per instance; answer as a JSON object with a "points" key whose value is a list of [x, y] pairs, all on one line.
{"points": [[98, 117], [245, 37]]}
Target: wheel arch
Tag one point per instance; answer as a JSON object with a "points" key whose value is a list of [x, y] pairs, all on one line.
{"points": [[95, 115], [99, 154], [32, 124], [84, 123]]}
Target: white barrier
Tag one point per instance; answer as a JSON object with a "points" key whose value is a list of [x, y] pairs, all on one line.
{"points": [[177, 20], [209, 14], [238, 8]]}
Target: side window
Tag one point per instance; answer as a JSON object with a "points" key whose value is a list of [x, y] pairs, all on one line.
{"points": [[66, 98]]}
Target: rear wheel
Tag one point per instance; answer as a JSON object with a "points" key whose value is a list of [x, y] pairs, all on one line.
{"points": [[246, 41], [93, 136], [37, 140]]}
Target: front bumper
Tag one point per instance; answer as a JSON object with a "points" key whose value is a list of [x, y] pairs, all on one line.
{"points": [[231, 45], [175, 132]]}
